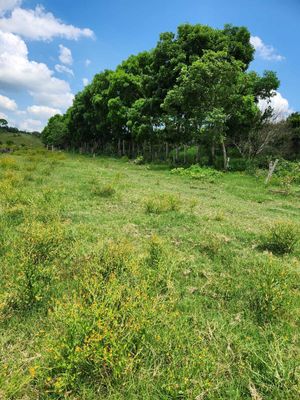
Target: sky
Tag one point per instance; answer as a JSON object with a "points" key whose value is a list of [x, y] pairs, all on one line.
{"points": [[50, 49]]}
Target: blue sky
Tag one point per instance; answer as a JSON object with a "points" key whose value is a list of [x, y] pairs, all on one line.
{"points": [[50, 48]]}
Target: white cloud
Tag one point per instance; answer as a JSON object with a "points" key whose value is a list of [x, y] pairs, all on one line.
{"points": [[7, 104], [18, 72], [65, 55], [63, 69], [87, 62], [6, 5], [3, 116], [264, 51], [40, 25], [280, 105], [30, 125], [85, 81], [43, 112]]}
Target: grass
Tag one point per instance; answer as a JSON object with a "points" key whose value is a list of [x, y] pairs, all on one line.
{"points": [[18, 139], [120, 281]]}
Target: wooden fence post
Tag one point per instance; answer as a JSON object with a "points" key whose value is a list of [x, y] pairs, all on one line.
{"points": [[272, 167]]}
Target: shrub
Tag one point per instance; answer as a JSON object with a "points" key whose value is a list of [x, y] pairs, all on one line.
{"points": [[281, 238], [104, 191], [139, 160], [197, 172], [288, 171], [162, 203]]}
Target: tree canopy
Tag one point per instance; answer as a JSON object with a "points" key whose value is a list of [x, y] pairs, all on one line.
{"points": [[194, 87]]}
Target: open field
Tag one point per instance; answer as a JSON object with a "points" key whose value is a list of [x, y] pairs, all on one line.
{"points": [[123, 281], [18, 139]]}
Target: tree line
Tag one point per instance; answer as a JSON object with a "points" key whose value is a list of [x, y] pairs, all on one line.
{"points": [[193, 90]]}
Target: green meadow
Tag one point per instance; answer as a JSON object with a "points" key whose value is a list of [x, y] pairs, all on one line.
{"points": [[123, 281]]}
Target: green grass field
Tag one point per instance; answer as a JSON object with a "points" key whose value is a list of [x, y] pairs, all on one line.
{"points": [[121, 281], [19, 139]]}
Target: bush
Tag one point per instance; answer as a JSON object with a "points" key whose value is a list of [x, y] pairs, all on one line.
{"points": [[288, 171], [104, 191], [139, 160], [162, 203], [281, 238], [197, 172]]}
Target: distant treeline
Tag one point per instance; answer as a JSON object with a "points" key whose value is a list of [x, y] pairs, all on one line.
{"points": [[4, 127], [193, 90]]}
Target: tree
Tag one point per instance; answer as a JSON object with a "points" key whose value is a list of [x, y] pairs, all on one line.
{"points": [[293, 122], [55, 133], [192, 88], [3, 123]]}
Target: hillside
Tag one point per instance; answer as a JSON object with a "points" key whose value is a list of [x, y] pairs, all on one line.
{"points": [[18, 139], [123, 281]]}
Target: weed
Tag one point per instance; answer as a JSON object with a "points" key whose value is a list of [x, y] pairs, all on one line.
{"points": [[281, 238], [162, 203], [8, 162], [197, 172], [104, 190], [270, 292], [155, 252]]}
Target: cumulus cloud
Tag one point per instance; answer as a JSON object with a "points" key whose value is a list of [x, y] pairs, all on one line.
{"points": [[39, 24], [6, 5], [280, 105], [3, 116], [264, 51], [65, 55], [18, 72], [85, 81], [30, 125], [62, 69], [7, 104], [87, 62], [43, 112]]}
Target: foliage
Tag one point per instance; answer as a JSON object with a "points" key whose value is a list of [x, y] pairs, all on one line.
{"points": [[193, 88], [162, 203], [281, 238], [104, 190], [288, 170], [267, 295], [197, 172], [139, 160], [120, 303]]}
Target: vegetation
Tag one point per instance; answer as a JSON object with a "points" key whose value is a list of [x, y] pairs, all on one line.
{"points": [[192, 93], [125, 281], [127, 278]]}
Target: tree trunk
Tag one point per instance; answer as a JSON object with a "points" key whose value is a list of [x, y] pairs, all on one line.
{"points": [[225, 160], [213, 154], [167, 151], [124, 148], [119, 147], [184, 154]]}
